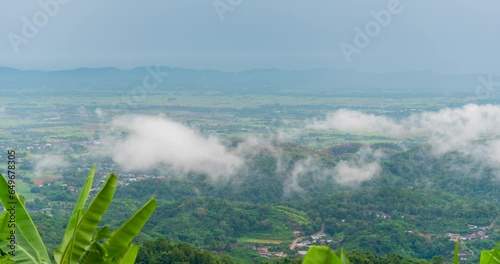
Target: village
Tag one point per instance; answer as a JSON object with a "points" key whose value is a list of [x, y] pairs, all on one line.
{"points": [[480, 233], [300, 244]]}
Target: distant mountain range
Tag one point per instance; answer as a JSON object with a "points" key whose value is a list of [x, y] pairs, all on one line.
{"points": [[323, 81]]}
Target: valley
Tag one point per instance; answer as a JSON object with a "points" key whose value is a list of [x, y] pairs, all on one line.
{"points": [[280, 178]]}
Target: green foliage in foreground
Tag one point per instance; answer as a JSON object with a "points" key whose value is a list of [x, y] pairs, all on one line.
{"points": [[324, 255], [491, 256], [82, 242], [161, 251], [164, 251]]}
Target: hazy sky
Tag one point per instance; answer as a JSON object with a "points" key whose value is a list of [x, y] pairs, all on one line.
{"points": [[448, 36]]}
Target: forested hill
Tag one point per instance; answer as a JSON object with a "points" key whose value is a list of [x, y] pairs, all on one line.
{"points": [[412, 207], [415, 170], [408, 209]]}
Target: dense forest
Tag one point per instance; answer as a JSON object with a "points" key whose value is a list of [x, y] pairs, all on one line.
{"points": [[163, 251], [405, 212]]}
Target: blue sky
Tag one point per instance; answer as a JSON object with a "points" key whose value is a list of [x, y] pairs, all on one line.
{"points": [[446, 36]]}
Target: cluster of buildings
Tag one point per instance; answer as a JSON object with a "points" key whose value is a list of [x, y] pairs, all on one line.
{"points": [[320, 238], [457, 237], [125, 179], [380, 214], [264, 252], [301, 243], [479, 234], [465, 254], [317, 239]]}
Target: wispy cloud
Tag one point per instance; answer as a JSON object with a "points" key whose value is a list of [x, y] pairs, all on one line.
{"points": [[471, 130], [156, 141], [50, 163]]}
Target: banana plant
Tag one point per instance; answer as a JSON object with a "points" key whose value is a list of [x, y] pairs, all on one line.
{"points": [[324, 255], [491, 256], [83, 242], [16, 226]]}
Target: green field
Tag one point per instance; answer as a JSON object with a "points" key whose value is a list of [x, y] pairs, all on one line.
{"points": [[259, 241]]}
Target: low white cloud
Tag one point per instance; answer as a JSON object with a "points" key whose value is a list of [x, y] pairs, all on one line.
{"points": [[152, 142], [362, 167], [155, 141], [471, 130], [300, 169], [49, 164], [99, 113], [355, 121]]}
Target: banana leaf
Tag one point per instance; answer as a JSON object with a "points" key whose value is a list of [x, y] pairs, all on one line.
{"points": [[27, 235], [59, 253], [321, 255], [91, 218], [128, 256], [121, 238]]}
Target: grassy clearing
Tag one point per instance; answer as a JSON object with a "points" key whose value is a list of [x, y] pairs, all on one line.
{"points": [[24, 189], [42, 180], [260, 241], [277, 233], [294, 215]]}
